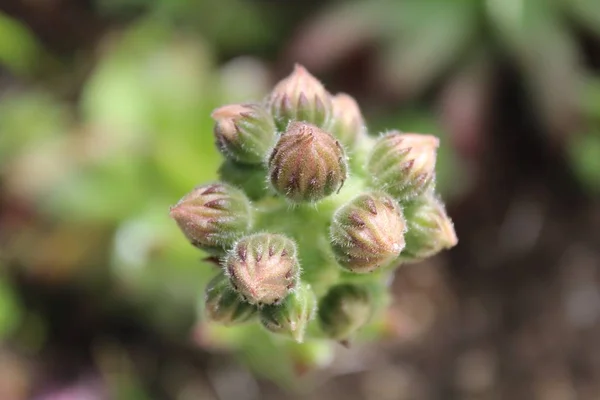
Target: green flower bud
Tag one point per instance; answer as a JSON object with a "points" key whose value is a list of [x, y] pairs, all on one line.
{"points": [[213, 216], [403, 164], [307, 163], [263, 267], [249, 178], [224, 305], [244, 132], [367, 232], [293, 315], [430, 230], [344, 310], [299, 97], [347, 122]]}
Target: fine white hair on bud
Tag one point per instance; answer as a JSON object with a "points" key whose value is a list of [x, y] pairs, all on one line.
{"points": [[263, 268], [299, 97], [307, 164], [367, 232], [403, 164]]}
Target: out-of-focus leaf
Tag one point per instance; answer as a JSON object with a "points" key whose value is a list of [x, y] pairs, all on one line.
{"points": [[104, 193], [424, 49], [26, 118], [586, 11], [19, 50], [547, 53], [591, 97], [10, 310], [584, 152], [230, 24], [341, 29]]}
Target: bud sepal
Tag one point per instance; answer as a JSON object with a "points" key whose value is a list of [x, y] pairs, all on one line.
{"points": [[367, 232], [347, 123], [307, 164], [244, 132], [213, 216], [292, 315], [430, 230], [402, 164], [224, 305], [263, 268], [344, 310], [299, 97]]}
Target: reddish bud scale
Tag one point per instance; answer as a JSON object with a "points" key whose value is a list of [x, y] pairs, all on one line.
{"points": [[263, 268], [213, 216], [307, 163], [403, 164], [299, 97], [367, 232]]}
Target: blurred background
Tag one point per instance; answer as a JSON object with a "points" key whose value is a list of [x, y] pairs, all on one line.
{"points": [[105, 122]]}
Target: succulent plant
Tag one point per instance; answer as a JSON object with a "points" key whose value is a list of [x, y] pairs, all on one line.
{"points": [[310, 235]]}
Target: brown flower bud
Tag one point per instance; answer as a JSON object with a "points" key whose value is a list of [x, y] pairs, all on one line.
{"points": [[403, 164], [299, 97], [213, 216], [307, 163], [367, 232], [263, 267], [244, 132]]}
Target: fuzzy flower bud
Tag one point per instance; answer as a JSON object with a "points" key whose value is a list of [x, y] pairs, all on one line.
{"points": [[244, 132], [367, 232], [224, 305], [403, 164], [347, 122], [430, 230], [293, 315], [263, 267], [213, 216], [299, 97], [344, 310], [307, 163]]}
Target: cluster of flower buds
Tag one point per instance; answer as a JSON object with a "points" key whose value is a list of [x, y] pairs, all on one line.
{"points": [[292, 208]]}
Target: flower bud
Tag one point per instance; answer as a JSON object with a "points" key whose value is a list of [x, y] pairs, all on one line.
{"points": [[263, 267], [347, 122], [299, 97], [344, 310], [224, 305], [367, 232], [293, 315], [213, 216], [244, 132], [307, 163], [403, 164], [430, 230]]}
